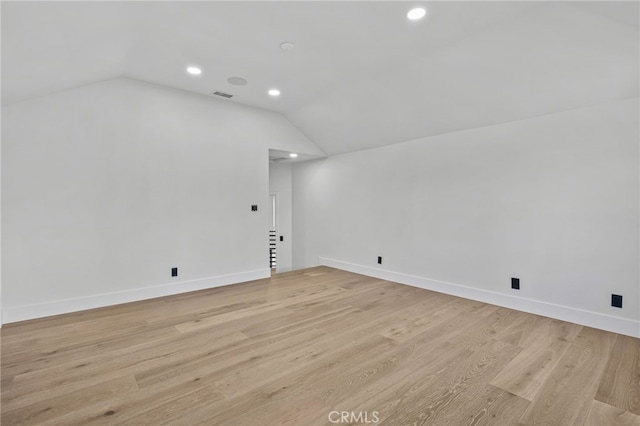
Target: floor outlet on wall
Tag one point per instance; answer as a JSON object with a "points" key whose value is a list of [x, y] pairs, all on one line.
{"points": [[380, 260], [174, 272], [515, 283], [616, 301]]}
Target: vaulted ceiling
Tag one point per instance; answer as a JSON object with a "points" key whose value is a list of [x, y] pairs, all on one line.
{"points": [[360, 75]]}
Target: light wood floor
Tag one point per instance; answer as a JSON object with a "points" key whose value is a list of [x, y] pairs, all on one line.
{"points": [[292, 349]]}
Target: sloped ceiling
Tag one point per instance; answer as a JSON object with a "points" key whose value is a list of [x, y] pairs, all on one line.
{"points": [[360, 76]]}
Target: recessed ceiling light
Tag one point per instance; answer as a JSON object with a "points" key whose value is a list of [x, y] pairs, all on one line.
{"points": [[237, 81], [293, 155], [274, 92], [287, 45], [417, 13], [194, 70]]}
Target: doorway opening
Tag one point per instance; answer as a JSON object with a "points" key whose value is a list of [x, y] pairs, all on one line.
{"points": [[273, 230], [280, 207]]}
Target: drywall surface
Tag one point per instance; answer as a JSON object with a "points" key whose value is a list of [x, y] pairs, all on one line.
{"points": [[552, 200], [106, 187], [280, 184]]}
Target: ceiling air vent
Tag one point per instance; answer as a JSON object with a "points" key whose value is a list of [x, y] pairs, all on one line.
{"points": [[222, 94]]}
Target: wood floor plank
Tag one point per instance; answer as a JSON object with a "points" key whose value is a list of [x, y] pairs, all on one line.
{"points": [[503, 323], [293, 348], [212, 362], [168, 411], [432, 400], [70, 376], [493, 406], [253, 311], [23, 363], [283, 390], [264, 409], [388, 371], [40, 410], [265, 370], [291, 318], [602, 414], [620, 386], [528, 371], [580, 369], [161, 405], [418, 317]]}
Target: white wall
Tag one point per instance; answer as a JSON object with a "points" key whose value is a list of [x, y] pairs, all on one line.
{"points": [[108, 186], [280, 184], [1, 322], [553, 200]]}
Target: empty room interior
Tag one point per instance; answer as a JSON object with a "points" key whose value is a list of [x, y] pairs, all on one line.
{"points": [[261, 213]]}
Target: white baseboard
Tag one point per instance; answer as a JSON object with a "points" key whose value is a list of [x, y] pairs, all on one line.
{"points": [[21, 313], [564, 313]]}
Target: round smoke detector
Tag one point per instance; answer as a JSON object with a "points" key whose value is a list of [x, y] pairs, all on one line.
{"points": [[237, 81], [287, 45]]}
